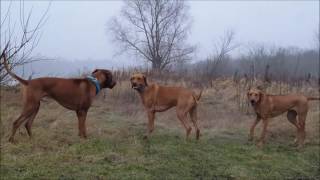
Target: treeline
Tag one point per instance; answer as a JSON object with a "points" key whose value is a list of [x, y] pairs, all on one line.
{"points": [[268, 64]]}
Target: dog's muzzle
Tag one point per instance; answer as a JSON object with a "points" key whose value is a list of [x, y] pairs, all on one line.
{"points": [[138, 87], [113, 84], [134, 85], [252, 102]]}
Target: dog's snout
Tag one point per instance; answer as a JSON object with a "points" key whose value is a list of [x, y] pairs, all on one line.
{"points": [[252, 102], [114, 83]]}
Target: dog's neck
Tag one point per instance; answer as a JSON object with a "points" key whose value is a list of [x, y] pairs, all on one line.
{"points": [[99, 80], [149, 93], [261, 99], [145, 89], [141, 90]]}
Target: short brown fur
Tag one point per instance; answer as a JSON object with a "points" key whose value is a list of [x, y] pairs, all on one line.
{"points": [[73, 94], [156, 98], [268, 106]]}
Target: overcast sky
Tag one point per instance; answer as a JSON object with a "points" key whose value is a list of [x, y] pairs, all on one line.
{"points": [[77, 30]]}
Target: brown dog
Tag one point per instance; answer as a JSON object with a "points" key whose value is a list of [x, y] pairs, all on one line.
{"points": [[157, 98], [73, 94], [268, 106]]}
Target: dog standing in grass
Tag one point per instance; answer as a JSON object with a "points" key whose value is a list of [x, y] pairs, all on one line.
{"points": [[156, 98], [74, 94], [268, 106]]}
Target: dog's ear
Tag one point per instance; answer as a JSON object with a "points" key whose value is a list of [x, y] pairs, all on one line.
{"points": [[249, 87], [261, 87], [145, 80], [261, 95], [248, 91], [95, 71]]}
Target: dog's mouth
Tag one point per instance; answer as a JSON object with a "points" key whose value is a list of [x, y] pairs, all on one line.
{"points": [[134, 86], [113, 84], [137, 87]]}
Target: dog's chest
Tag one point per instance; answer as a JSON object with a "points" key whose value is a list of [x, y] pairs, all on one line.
{"points": [[268, 112], [262, 112]]}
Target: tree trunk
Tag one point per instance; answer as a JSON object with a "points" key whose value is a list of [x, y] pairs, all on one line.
{"points": [[156, 64]]}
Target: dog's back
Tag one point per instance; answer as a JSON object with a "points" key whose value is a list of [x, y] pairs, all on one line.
{"points": [[171, 95], [274, 105]]}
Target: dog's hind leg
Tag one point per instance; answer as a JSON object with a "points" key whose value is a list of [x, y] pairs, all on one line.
{"points": [[30, 121], [301, 131], [182, 116], [28, 111], [292, 118], [193, 115]]}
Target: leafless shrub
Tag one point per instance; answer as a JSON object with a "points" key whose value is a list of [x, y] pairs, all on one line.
{"points": [[18, 45], [218, 61]]}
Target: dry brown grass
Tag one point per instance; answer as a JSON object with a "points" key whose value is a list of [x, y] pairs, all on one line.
{"points": [[117, 120], [218, 110]]}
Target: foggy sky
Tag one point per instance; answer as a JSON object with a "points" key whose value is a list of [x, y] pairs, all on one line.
{"points": [[78, 30]]}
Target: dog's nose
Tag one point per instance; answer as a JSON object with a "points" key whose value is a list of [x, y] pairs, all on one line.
{"points": [[252, 102], [113, 84]]}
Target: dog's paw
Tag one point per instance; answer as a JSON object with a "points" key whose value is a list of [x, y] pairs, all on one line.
{"points": [[294, 144], [12, 141], [145, 137], [300, 146], [198, 134], [250, 138], [83, 136], [260, 144]]}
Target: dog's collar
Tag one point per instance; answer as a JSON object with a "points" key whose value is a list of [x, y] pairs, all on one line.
{"points": [[95, 82]]}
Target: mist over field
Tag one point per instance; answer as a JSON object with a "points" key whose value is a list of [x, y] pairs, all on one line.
{"points": [[66, 68], [71, 34]]}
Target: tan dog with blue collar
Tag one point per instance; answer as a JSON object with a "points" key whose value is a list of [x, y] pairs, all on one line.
{"points": [[74, 94]]}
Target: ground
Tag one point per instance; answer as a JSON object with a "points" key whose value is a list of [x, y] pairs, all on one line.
{"points": [[115, 148]]}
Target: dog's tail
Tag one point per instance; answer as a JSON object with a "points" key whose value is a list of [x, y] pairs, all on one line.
{"points": [[313, 98], [5, 62], [197, 97]]}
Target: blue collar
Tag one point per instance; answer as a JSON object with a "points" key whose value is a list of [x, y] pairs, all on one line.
{"points": [[95, 82]]}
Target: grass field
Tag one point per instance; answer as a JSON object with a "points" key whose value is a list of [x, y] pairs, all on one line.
{"points": [[115, 148]]}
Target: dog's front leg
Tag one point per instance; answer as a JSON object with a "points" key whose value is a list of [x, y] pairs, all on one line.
{"points": [[151, 116], [82, 114], [263, 133], [251, 135]]}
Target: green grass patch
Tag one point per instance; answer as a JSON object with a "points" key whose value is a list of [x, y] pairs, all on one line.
{"points": [[165, 156], [115, 149]]}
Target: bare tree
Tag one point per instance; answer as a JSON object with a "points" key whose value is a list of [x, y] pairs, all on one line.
{"points": [[222, 47], [225, 45], [155, 30], [19, 42]]}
